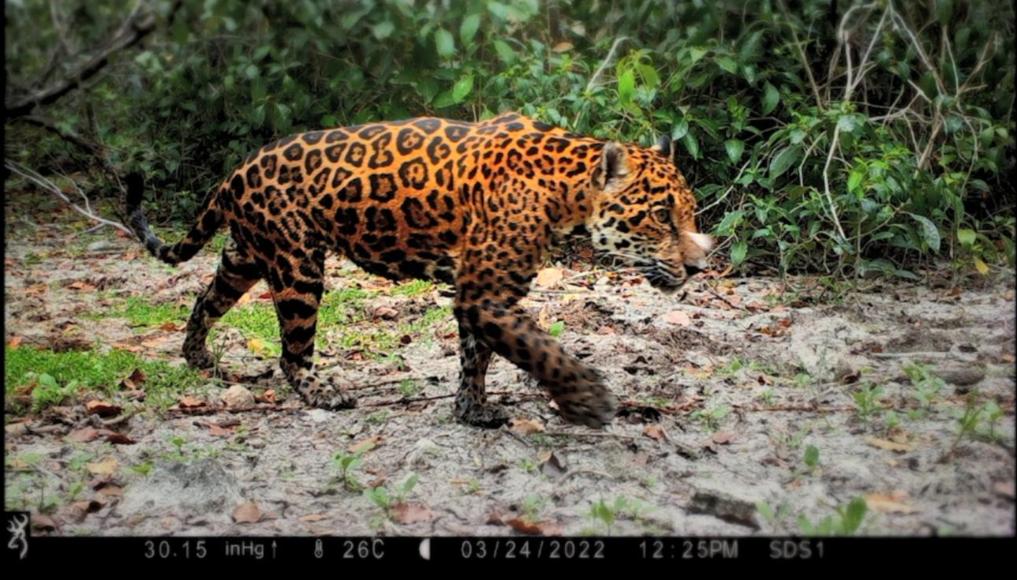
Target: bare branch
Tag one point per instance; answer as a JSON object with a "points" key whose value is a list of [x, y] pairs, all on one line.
{"points": [[52, 188]]}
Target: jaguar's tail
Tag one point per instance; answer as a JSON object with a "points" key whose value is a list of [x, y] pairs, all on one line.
{"points": [[208, 221]]}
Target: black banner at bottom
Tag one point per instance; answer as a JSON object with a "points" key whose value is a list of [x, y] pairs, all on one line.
{"points": [[38, 551]]}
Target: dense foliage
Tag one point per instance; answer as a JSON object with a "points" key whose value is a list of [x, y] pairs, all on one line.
{"points": [[820, 135]]}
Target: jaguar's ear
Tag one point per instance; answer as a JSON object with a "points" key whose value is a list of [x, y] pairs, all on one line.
{"points": [[663, 146], [614, 164]]}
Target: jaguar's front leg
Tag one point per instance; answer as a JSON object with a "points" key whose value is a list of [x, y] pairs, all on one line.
{"points": [[297, 295], [471, 406], [508, 330]]}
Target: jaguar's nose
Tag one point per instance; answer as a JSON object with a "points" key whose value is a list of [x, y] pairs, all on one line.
{"points": [[691, 270]]}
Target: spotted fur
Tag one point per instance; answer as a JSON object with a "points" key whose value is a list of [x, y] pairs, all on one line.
{"points": [[475, 205]]}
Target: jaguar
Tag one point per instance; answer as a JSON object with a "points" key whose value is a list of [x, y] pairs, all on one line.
{"points": [[476, 205]]}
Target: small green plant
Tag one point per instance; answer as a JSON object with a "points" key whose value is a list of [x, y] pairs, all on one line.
{"points": [[528, 465], [811, 457], [377, 417], [608, 513], [347, 464], [712, 416], [766, 397], [386, 501], [48, 391], [866, 401], [556, 329], [408, 388], [143, 468], [532, 506], [993, 414], [472, 487], [844, 522], [891, 420], [927, 385]]}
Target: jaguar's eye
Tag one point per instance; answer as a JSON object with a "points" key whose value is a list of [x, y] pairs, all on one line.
{"points": [[662, 215]]}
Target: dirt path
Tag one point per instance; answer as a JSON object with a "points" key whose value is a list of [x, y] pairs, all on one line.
{"points": [[748, 411]]}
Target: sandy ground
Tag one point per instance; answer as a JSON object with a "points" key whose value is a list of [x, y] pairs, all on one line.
{"points": [[741, 414]]}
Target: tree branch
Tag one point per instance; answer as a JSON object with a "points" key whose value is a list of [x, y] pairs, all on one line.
{"points": [[135, 27]]}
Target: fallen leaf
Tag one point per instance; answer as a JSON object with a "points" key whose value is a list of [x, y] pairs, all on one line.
{"points": [[266, 397], [189, 402], [218, 430], [119, 438], [14, 341], [247, 513], [43, 523], [83, 435], [385, 313], [107, 466], [526, 426], [655, 432], [677, 317], [550, 464], [523, 526], [495, 518], [549, 277], [110, 490], [169, 326], [892, 503], [887, 445], [365, 445], [79, 285], [258, 347], [723, 437], [102, 408], [1004, 488], [313, 517], [410, 513], [562, 47]]}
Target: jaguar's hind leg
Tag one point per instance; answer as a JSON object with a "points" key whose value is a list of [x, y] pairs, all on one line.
{"points": [[297, 294], [236, 274]]}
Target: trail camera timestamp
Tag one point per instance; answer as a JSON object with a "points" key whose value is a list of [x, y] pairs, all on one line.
{"points": [[702, 549]]}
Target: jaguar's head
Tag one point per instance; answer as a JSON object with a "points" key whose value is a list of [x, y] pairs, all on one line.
{"points": [[644, 215]]}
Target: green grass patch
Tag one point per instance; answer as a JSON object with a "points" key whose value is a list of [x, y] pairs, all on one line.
{"points": [[140, 312], [60, 376], [413, 288]]}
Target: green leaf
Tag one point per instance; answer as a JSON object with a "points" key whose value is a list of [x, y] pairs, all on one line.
{"points": [[444, 43], [855, 180], [468, 29], [556, 329], [691, 144], [783, 161], [728, 64], [738, 252], [680, 129], [734, 149], [462, 88], [505, 52], [854, 515], [930, 233], [944, 11], [626, 86], [811, 456], [383, 30], [770, 98], [730, 222], [966, 237]]}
